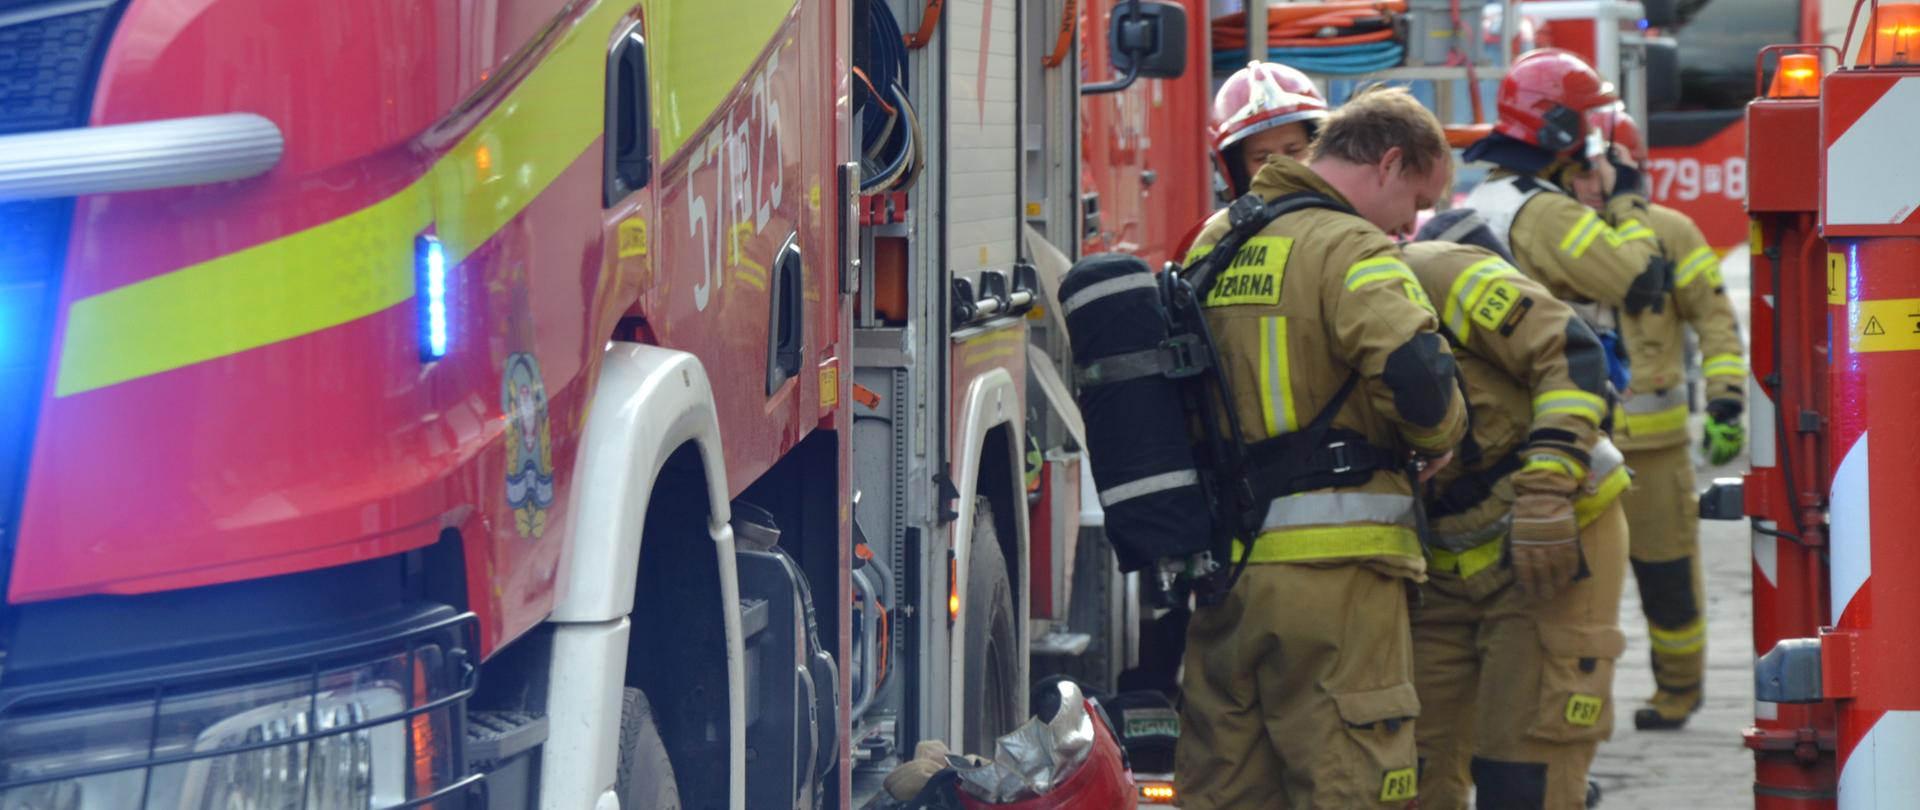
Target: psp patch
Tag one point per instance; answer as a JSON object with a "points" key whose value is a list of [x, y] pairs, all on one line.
{"points": [[1584, 710], [1400, 785], [1493, 305], [1254, 275]]}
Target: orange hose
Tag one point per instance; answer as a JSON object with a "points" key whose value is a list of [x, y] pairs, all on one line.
{"points": [[1461, 136], [1069, 18], [929, 20], [1288, 13], [880, 99]]}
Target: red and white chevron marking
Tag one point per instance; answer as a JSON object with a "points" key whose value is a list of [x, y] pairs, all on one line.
{"points": [[1872, 181]]}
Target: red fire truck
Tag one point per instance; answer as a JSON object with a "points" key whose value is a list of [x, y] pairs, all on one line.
{"points": [[577, 403]]}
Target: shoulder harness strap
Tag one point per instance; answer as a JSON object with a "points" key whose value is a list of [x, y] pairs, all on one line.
{"points": [[1247, 217]]}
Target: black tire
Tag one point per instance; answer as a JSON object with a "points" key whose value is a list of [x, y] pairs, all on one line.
{"points": [[644, 780], [992, 640]]}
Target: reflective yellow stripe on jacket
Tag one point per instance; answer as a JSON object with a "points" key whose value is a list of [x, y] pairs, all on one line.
{"points": [[1276, 383], [1702, 261], [1379, 268], [1650, 424], [1303, 527], [1633, 230], [1724, 365], [1586, 229], [1570, 401]]}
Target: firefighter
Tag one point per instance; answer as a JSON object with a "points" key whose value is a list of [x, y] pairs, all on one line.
{"points": [[1263, 109], [1662, 509], [1514, 656], [1600, 261], [1298, 684]]}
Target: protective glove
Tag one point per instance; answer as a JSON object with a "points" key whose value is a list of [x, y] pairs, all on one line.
{"points": [[1544, 544], [1724, 438], [907, 780]]}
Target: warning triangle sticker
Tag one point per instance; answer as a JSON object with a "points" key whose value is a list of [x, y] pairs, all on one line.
{"points": [[1873, 327]]}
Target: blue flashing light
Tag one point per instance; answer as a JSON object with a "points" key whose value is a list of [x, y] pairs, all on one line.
{"points": [[430, 258], [1642, 23], [20, 306]]}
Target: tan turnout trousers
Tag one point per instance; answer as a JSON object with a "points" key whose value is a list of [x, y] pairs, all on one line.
{"points": [[1299, 693], [1516, 694]]}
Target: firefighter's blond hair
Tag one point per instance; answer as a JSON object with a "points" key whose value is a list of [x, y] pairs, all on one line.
{"points": [[1379, 118]]}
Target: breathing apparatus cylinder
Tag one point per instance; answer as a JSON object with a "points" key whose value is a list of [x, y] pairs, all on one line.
{"points": [[1131, 371]]}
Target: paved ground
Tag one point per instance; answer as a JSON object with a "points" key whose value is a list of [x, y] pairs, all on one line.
{"points": [[1703, 767]]}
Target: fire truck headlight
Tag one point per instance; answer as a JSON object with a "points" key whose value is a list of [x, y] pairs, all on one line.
{"points": [[341, 740]]}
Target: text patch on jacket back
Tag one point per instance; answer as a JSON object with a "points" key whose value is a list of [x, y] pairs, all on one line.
{"points": [[1495, 304], [1254, 275]]}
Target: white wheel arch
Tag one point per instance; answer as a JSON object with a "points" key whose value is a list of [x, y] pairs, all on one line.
{"points": [[648, 403], [992, 400]]}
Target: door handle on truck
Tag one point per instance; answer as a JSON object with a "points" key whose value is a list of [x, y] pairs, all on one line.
{"points": [[629, 163], [786, 328]]}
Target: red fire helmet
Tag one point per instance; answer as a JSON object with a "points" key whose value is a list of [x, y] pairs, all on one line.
{"points": [[1544, 97], [1260, 96]]}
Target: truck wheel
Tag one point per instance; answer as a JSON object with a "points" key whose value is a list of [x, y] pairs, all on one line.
{"points": [[992, 644], [644, 780]]}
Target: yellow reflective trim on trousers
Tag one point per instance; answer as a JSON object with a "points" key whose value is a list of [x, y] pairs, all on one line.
{"points": [[1331, 543], [1378, 268], [1587, 508], [362, 263], [1699, 261], [697, 53], [1467, 288], [1689, 639], [1581, 234], [1570, 401], [1724, 365], [1276, 393], [1648, 424], [1473, 560]]}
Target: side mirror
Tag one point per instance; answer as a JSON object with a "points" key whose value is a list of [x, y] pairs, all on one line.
{"points": [[1152, 35], [1145, 39], [1725, 500]]}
